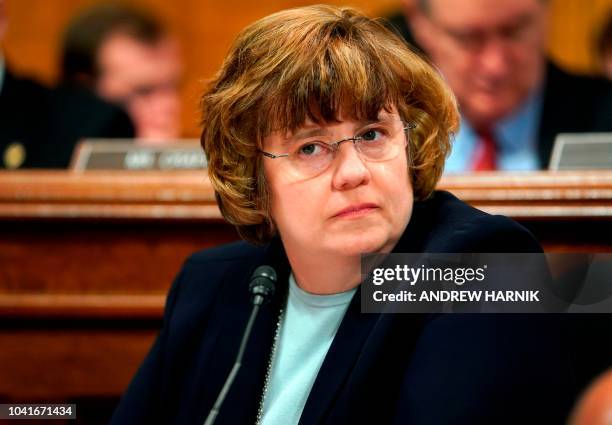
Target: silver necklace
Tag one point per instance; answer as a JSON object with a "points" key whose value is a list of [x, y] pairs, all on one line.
{"points": [[269, 369]]}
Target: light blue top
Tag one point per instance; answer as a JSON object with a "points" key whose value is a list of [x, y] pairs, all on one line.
{"points": [[307, 330], [516, 137]]}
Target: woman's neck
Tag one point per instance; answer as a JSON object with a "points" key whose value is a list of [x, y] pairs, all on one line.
{"points": [[324, 274]]}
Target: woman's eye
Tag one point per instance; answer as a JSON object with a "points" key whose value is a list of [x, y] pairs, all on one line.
{"points": [[309, 149], [371, 134]]}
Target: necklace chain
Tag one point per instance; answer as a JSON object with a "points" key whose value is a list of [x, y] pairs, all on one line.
{"points": [[269, 369]]}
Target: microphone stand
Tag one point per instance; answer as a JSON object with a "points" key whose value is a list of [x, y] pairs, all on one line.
{"points": [[230, 379], [262, 287]]}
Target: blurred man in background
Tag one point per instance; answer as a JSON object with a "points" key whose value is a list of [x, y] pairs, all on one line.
{"points": [[39, 126], [513, 100], [126, 57]]}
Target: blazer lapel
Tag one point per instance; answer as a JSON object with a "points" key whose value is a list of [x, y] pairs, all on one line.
{"points": [[233, 310]]}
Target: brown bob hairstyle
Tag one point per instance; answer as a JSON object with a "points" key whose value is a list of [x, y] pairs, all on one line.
{"points": [[313, 62]]}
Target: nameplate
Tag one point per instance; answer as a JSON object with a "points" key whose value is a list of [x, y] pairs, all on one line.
{"points": [[582, 151], [127, 154]]}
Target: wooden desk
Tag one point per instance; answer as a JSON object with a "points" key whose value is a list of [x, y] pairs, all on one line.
{"points": [[85, 264], [86, 260], [567, 211]]}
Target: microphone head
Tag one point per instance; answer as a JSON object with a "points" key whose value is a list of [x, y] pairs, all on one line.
{"points": [[263, 284], [264, 271]]}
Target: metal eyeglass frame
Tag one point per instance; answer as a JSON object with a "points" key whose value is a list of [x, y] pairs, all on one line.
{"points": [[336, 145]]}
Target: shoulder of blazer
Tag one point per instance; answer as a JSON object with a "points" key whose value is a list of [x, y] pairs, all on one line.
{"points": [[23, 103], [235, 251], [204, 278], [560, 83], [96, 117], [203, 272], [210, 265], [443, 223]]}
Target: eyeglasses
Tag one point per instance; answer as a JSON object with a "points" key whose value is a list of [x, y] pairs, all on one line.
{"points": [[377, 142]]}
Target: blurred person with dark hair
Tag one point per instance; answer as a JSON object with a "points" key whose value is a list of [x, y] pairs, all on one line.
{"points": [[126, 57], [604, 47], [40, 126], [400, 21], [513, 100]]}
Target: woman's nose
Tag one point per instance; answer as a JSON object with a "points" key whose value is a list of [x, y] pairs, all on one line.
{"points": [[350, 170]]}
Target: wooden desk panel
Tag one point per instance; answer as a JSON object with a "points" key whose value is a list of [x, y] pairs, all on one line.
{"points": [[86, 261], [61, 265], [60, 362]]}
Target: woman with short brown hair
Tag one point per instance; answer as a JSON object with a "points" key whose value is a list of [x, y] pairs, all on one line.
{"points": [[315, 63]]}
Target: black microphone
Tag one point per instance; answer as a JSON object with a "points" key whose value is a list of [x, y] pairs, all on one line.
{"points": [[261, 287]]}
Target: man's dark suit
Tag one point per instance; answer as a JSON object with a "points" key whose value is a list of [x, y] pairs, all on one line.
{"points": [[380, 368], [48, 123], [571, 103]]}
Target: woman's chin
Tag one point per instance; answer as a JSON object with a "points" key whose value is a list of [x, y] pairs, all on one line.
{"points": [[359, 245]]}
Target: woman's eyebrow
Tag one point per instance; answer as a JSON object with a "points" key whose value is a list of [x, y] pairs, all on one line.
{"points": [[308, 132]]}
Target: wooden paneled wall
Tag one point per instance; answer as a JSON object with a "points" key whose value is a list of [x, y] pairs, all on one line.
{"points": [[574, 28], [207, 27]]}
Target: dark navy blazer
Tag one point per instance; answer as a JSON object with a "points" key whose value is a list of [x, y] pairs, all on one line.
{"points": [[380, 368], [49, 122]]}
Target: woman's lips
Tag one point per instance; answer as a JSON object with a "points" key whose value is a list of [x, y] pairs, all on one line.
{"points": [[353, 211]]}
